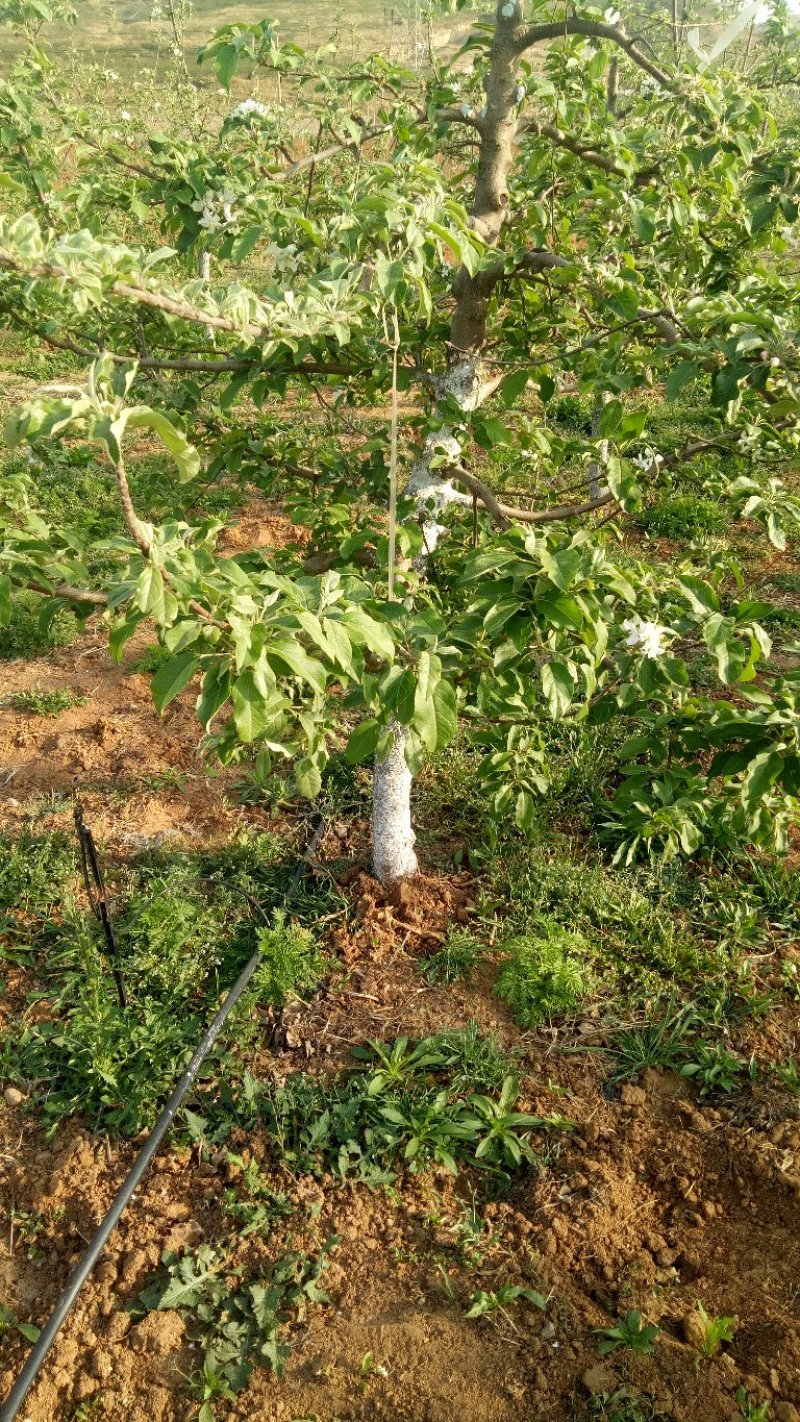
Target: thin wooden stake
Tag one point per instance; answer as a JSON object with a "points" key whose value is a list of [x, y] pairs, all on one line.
{"points": [[393, 464]]}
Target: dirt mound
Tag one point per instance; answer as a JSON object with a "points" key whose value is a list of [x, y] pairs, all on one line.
{"points": [[653, 1201]]}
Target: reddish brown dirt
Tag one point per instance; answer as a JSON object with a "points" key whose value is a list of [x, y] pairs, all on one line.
{"points": [[655, 1201], [139, 775]]}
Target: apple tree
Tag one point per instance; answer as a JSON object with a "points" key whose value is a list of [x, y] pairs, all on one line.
{"points": [[563, 206]]}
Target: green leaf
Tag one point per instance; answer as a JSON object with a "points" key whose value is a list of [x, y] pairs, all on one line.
{"points": [[149, 596], [523, 818], [249, 708], [5, 600], [171, 679], [491, 431], [244, 245], [610, 417], [725, 385], [643, 225], [185, 455], [558, 684], [761, 775], [700, 595], [308, 778], [683, 372], [363, 741], [445, 707], [216, 690], [398, 695], [366, 630], [291, 655], [513, 386]]}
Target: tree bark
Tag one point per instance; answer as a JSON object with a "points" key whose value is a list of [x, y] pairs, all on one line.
{"points": [[392, 836], [466, 382], [498, 130]]}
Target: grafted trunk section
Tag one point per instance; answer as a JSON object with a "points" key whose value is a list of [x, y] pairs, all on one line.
{"points": [[498, 130], [392, 836], [466, 382]]}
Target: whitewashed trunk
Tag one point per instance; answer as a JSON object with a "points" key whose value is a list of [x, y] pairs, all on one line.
{"points": [[393, 838], [597, 478], [463, 381], [204, 271]]}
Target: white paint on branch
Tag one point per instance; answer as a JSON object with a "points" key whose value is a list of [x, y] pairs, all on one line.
{"points": [[392, 835], [464, 382]]}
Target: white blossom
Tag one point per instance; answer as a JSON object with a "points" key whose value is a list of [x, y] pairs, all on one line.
{"points": [[520, 93], [647, 459], [285, 259], [125, 115], [249, 108], [647, 636], [465, 111], [612, 17], [216, 209]]}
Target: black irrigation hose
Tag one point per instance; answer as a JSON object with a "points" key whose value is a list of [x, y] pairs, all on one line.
{"points": [[96, 893], [87, 1262]]}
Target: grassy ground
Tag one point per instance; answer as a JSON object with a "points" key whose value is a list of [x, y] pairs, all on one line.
{"points": [[566, 1148], [120, 34]]}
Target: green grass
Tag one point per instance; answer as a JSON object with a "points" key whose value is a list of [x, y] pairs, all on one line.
{"points": [[186, 924], [117, 35], [33, 632], [43, 703]]}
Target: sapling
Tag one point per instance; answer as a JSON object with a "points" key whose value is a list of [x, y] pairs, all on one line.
{"points": [[452, 240]]}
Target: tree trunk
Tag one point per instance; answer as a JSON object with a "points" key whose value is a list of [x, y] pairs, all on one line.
{"points": [[392, 836], [464, 381]]}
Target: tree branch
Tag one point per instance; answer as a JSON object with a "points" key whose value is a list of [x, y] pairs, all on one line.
{"points": [[591, 29], [484, 495], [563, 140], [69, 593], [465, 115]]}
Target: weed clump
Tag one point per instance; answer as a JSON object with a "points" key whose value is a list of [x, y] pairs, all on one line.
{"points": [[44, 703], [34, 629], [291, 962], [685, 516], [455, 959], [545, 975]]}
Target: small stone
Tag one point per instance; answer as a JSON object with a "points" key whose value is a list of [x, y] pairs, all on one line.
{"points": [[118, 1326], [548, 1331], [632, 1096], [599, 1378], [693, 1330], [159, 1334], [84, 1388], [13, 1097]]}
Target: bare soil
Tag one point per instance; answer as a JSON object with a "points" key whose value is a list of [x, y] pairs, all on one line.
{"points": [[655, 1200]]}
